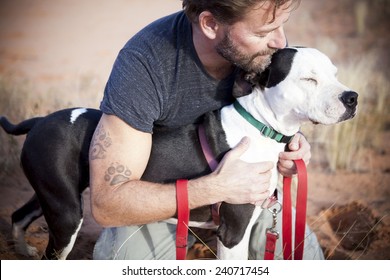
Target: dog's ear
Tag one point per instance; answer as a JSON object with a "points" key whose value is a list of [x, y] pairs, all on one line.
{"points": [[244, 83], [279, 68], [274, 74]]}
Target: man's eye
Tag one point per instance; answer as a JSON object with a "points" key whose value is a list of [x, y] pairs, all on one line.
{"points": [[261, 35], [310, 80]]}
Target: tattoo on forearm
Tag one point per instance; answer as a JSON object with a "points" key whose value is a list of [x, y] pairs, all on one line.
{"points": [[100, 143], [116, 174]]}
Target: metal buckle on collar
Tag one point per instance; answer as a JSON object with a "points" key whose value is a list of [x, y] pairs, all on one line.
{"points": [[266, 131]]}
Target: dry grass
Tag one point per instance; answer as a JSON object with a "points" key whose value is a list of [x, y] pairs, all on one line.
{"points": [[19, 100], [12, 105]]}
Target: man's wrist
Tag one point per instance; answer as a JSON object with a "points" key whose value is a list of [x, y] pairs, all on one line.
{"points": [[203, 191]]}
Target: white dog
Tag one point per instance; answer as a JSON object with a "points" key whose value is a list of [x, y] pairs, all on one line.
{"points": [[299, 86]]}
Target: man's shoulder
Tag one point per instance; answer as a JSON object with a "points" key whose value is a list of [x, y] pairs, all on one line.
{"points": [[165, 29], [160, 44]]}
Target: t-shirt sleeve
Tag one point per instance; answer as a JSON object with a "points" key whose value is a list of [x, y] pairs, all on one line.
{"points": [[131, 91]]}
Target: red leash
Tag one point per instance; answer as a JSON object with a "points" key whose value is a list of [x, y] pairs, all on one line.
{"points": [[183, 216], [270, 245], [300, 219], [300, 216]]}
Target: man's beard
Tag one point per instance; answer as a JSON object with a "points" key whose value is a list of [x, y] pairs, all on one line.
{"points": [[248, 63]]}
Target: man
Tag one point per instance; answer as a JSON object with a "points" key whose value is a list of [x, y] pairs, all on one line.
{"points": [[168, 75]]}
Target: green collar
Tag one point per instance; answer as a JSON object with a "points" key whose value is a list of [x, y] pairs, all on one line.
{"points": [[264, 130]]}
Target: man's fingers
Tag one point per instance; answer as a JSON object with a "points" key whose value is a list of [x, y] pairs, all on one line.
{"points": [[241, 148], [294, 144], [265, 166], [289, 170], [287, 164]]}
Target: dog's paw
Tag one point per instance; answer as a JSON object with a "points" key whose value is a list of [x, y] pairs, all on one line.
{"points": [[200, 251], [116, 174], [32, 251], [26, 250]]}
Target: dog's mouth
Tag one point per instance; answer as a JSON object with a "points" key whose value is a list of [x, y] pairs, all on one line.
{"points": [[314, 121], [349, 114]]}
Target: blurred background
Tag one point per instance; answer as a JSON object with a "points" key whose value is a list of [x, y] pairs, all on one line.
{"points": [[58, 54]]}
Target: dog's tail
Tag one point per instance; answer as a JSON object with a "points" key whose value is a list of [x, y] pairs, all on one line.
{"points": [[18, 129]]}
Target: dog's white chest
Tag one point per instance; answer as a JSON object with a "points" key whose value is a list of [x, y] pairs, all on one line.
{"points": [[260, 149]]}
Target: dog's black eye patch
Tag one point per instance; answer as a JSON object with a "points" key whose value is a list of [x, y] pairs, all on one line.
{"points": [[279, 68]]}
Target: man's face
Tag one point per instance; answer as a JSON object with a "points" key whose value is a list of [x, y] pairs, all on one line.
{"points": [[250, 42]]}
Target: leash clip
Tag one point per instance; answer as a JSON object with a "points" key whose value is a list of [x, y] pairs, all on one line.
{"points": [[272, 229], [274, 208]]}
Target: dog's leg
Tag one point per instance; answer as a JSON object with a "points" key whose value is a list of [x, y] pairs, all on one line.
{"points": [[61, 244], [21, 219], [64, 223], [235, 230]]}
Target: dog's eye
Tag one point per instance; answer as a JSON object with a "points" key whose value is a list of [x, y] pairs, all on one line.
{"points": [[310, 80]]}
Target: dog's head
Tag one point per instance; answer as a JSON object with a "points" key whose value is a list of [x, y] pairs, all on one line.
{"points": [[301, 83]]}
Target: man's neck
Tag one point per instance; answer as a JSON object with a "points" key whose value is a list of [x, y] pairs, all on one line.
{"points": [[214, 64]]}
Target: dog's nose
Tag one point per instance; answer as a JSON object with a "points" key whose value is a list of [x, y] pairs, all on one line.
{"points": [[349, 99]]}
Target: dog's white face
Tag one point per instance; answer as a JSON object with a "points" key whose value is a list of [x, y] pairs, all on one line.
{"points": [[309, 89]]}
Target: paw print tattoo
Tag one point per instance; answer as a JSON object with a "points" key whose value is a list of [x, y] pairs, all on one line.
{"points": [[116, 174], [100, 143]]}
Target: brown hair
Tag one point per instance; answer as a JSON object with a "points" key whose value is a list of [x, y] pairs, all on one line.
{"points": [[227, 11]]}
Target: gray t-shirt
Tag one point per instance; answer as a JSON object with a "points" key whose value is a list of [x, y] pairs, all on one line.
{"points": [[158, 80]]}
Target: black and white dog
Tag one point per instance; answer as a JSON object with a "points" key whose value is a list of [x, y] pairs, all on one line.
{"points": [[299, 86]]}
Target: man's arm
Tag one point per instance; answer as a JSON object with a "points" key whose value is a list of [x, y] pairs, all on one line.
{"points": [[118, 157]]}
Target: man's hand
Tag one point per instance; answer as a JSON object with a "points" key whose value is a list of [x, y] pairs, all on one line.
{"points": [[240, 182], [299, 149]]}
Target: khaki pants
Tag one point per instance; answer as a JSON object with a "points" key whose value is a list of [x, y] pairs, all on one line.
{"points": [[157, 241]]}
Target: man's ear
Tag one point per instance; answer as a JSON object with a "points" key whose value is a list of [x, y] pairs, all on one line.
{"points": [[208, 24]]}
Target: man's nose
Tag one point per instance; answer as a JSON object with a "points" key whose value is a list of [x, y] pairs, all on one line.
{"points": [[278, 39]]}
